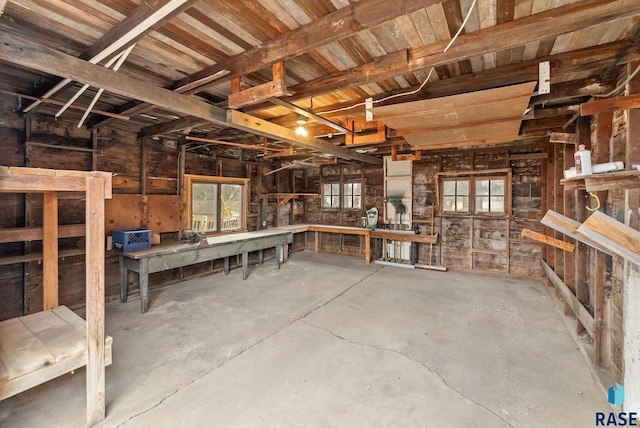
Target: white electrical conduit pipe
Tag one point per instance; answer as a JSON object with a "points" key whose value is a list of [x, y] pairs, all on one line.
{"points": [[84, 88], [122, 58]]}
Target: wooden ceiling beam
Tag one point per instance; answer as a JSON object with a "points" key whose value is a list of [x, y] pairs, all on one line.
{"points": [[309, 114], [176, 125], [591, 58], [262, 127], [145, 18], [344, 22], [567, 91], [23, 52], [610, 104], [511, 34], [18, 50]]}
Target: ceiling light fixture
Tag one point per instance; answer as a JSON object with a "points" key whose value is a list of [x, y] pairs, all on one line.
{"points": [[300, 130]]}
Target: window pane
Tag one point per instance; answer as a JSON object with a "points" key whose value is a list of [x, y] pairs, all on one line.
{"points": [[357, 189], [335, 189], [335, 201], [449, 203], [463, 187], [497, 204], [482, 187], [357, 202], [347, 201], [203, 207], [482, 203], [326, 189], [497, 187], [449, 188], [462, 203], [348, 189], [231, 206], [326, 201]]}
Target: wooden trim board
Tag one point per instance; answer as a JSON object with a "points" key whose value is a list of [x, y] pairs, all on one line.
{"points": [[619, 238], [570, 299], [570, 227]]}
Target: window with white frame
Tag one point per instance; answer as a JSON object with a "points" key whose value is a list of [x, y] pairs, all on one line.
{"points": [[490, 195], [346, 195], [352, 195], [455, 195], [475, 194], [331, 195]]}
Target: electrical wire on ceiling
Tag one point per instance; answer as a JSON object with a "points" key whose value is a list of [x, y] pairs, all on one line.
{"points": [[620, 86], [415, 91]]}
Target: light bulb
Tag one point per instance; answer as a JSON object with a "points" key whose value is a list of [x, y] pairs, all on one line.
{"points": [[300, 130]]}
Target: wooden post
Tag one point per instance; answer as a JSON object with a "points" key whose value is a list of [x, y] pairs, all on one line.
{"points": [[94, 146], [292, 186], [50, 250], [143, 167], [94, 221], [181, 168], [569, 206], [631, 288], [601, 151]]}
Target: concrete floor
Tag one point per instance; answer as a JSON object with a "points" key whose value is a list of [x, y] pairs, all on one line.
{"points": [[327, 341]]}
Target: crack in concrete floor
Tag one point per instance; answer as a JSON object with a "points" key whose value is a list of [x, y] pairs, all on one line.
{"points": [[234, 356], [429, 369]]}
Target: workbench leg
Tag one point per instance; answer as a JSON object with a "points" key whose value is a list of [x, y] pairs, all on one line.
{"points": [[285, 254], [260, 257], [144, 285], [226, 265], [123, 280], [245, 263], [317, 244], [367, 249], [278, 255]]}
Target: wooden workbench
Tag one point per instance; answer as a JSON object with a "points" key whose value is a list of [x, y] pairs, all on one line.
{"points": [[367, 233], [169, 256]]}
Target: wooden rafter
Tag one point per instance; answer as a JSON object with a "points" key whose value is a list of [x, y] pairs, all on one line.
{"points": [[137, 24], [563, 137], [20, 51], [511, 34], [275, 88], [610, 104], [262, 127], [344, 22], [230, 143], [171, 126]]}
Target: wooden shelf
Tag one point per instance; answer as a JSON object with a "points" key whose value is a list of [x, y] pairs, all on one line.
{"points": [[38, 257], [36, 349], [605, 181], [42, 346]]}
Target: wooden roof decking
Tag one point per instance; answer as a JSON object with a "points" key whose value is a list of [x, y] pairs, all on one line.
{"points": [[336, 52]]}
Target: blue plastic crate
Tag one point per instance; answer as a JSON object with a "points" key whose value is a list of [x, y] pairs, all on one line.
{"points": [[128, 240]]}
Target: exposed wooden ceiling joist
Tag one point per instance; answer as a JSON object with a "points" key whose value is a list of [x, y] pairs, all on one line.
{"points": [[171, 126], [268, 129], [610, 104], [566, 63], [343, 23], [18, 50], [144, 18], [511, 34]]}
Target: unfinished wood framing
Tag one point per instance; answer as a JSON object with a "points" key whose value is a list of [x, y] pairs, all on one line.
{"points": [[95, 184], [275, 88], [617, 237]]}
